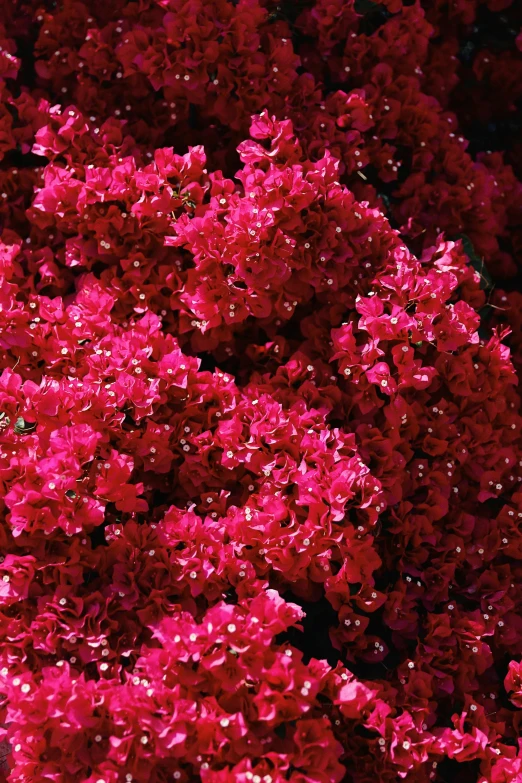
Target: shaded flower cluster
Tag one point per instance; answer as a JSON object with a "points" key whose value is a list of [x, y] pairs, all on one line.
{"points": [[260, 432]]}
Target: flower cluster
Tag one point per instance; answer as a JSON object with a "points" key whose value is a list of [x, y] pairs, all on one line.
{"points": [[260, 432]]}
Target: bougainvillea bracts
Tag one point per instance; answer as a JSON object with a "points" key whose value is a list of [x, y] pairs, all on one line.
{"points": [[260, 420]]}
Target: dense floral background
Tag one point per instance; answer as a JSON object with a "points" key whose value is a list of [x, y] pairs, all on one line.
{"points": [[260, 428]]}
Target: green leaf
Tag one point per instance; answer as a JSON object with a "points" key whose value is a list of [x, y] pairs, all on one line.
{"points": [[23, 427], [365, 6], [486, 283]]}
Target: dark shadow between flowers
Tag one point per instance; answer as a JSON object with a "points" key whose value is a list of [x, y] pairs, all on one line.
{"points": [[314, 640], [450, 771]]}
